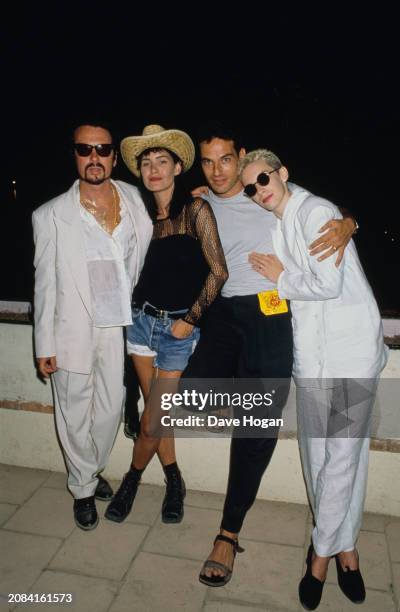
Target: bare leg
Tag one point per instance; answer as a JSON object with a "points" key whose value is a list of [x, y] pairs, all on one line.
{"points": [[349, 559], [147, 445], [146, 372], [144, 449], [319, 567], [166, 450]]}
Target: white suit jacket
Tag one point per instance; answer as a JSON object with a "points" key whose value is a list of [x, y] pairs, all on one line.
{"points": [[337, 326], [63, 315]]}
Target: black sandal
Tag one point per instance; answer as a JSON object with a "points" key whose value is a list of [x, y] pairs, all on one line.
{"points": [[216, 581]]}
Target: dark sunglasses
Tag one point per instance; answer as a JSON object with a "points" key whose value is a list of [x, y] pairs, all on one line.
{"points": [[262, 179], [84, 150]]}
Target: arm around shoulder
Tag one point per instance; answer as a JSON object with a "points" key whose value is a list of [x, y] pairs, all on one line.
{"points": [[319, 280]]}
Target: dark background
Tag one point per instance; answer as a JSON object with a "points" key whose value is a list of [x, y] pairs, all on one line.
{"points": [[316, 85]]}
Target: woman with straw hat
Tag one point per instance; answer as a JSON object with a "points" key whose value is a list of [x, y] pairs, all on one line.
{"points": [[183, 273]]}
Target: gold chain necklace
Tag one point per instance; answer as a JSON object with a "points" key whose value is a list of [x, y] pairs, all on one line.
{"points": [[101, 215]]}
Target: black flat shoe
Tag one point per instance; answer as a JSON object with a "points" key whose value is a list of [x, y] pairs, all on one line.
{"points": [[85, 513], [310, 588], [217, 581], [103, 490], [122, 502], [350, 582], [131, 431], [172, 506]]}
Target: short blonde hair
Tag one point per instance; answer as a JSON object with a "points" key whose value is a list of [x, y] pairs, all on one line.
{"points": [[259, 154]]}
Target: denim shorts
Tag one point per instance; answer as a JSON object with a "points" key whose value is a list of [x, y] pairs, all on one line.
{"points": [[152, 337]]}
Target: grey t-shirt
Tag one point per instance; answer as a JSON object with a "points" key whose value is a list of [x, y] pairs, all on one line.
{"points": [[243, 227]]}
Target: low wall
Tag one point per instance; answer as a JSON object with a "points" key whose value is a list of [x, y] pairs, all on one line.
{"points": [[27, 437]]}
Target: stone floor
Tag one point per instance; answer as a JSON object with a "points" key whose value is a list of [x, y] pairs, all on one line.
{"points": [[144, 565]]}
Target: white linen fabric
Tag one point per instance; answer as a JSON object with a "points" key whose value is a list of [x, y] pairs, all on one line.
{"points": [[88, 411], [69, 304], [337, 326], [338, 350], [335, 468], [63, 303], [110, 257]]}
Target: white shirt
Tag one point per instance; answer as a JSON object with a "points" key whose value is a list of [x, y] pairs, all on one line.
{"points": [[109, 259], [337, 327]]}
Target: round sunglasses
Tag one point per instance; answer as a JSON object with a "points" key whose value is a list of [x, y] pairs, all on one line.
{"points": [[262, 179], [84, 150]]}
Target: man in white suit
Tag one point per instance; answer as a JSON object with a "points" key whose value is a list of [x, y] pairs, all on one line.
{"points": [[90, 244], [338, 355]]}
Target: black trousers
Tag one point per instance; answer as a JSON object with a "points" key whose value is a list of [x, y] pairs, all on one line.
{"points": [[132, 396], [238, 340]]}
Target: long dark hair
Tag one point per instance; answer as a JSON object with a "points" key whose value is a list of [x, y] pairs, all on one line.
{"points": [[181, 194]]}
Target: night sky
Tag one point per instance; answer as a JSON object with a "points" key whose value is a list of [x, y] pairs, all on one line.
{"points": [[317, 86]]}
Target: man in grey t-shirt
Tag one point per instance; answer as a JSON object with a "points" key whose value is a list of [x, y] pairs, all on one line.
{"points": [[237, 338]]}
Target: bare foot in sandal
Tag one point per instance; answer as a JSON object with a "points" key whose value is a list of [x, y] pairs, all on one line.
{"points": [[217, 570]]}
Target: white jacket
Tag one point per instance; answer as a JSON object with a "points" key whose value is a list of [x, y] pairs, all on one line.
{"points": [[63, 323], [337, 326]]}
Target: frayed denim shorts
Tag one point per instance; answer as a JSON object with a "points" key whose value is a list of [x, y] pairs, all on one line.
{"points": [[149, 336]]}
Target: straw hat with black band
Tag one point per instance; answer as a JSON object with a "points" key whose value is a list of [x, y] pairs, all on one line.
{"points": [[157, 137]]}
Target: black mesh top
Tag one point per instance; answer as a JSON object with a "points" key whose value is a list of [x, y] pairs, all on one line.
{"points": [[185, 264]]}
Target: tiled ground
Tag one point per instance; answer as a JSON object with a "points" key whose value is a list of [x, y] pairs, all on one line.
{"points": [[144, 565]]}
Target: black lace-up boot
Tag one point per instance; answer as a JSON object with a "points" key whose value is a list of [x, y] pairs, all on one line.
{"points": [[121, 505], [172, 507]]}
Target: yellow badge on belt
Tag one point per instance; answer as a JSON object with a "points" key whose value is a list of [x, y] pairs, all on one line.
{"points": [[271, 303]]}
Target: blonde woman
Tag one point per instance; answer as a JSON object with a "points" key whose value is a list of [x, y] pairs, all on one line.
{"points": [[338, 355]]}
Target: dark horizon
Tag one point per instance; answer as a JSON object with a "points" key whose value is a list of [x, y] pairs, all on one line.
{"points": [[320, 92]]}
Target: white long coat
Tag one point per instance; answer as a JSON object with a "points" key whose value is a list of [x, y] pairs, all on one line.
{"points": [[336, 322], [63, 312]]}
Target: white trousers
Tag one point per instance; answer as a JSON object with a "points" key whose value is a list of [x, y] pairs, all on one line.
{"points": [[335, 468], [88, 411]]}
